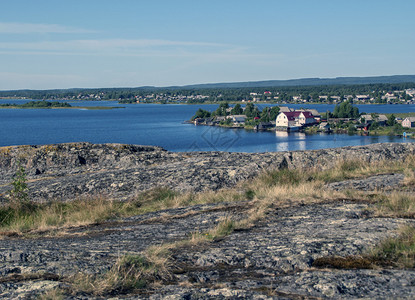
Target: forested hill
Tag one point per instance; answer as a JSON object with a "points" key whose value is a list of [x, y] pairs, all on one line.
{"points": [[375, 87], [310, 81]]}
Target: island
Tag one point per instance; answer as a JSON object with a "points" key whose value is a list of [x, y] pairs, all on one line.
{"points": [[345, 118], [51, 105]]}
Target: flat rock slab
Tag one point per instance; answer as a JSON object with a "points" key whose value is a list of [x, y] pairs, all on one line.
{"points": [[271, 260], [379, 182]]}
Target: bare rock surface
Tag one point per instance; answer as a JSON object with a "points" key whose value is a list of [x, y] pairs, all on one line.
{"points": [[68, 171], [372, 183], [272, 260]]}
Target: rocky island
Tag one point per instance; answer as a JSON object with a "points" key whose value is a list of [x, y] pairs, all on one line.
{"points": [[236, 225]]}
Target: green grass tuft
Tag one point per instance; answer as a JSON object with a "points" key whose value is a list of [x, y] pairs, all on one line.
{"points": [[396, 251], [282, 177]]}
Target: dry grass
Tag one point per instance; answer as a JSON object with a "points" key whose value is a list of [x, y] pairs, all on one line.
{"points": [[272, 188], [396, 205], [53, 294], [409, 180], [129, 273], [280, 188], [58, 215]]}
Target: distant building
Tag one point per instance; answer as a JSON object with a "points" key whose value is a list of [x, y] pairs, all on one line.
{"points": [[381, 119], [324, 126], [362, 97], [294, 120], [237, 119], [408, 122], [285, 109]]}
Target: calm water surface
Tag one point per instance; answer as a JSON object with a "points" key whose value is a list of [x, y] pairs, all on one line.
{"points": [[162, 125]]}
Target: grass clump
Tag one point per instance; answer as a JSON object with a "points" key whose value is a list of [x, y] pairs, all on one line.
{"points": [[58, 214], [53, 294], [282, 177], [129, 273], [396, 205], [159, 196], [396, 251], [224, 228]]}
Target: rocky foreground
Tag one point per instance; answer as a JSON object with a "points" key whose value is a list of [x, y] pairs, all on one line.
{"points": [[73, 170], [272, 260]]}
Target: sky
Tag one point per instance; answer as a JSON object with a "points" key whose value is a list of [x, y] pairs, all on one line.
{"points": [[57, 44]]}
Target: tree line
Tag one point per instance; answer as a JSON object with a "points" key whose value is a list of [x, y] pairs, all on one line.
{"points": [[215, 94], [251, 111]]}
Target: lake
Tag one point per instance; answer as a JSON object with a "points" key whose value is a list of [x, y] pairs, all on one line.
{"points": [[162, 125]]}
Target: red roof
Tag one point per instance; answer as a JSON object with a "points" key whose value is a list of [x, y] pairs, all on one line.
{"points": [[307, 114], [295, 114]]}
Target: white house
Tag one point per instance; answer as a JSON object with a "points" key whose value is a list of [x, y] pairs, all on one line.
{"points": [[294, 119], [306, 118]]}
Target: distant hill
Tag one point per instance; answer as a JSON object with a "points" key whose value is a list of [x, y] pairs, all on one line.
{"points": [[395, 79], [308, 81]]}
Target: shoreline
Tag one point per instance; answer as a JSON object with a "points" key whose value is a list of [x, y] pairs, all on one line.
{"points": [[206, 102], [305, 131], [73, 107]]}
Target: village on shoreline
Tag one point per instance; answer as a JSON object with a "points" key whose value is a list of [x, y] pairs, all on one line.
{"points": [[345, 118], [359, 93]]}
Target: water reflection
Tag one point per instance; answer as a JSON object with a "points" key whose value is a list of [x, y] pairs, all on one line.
{"points": [[281, 134], [287, 141]]}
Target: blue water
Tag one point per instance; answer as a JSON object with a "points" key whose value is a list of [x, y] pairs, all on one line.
{"points": [[162, 125]]}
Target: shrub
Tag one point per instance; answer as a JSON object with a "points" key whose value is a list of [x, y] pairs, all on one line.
{"points": [[19, 196]]}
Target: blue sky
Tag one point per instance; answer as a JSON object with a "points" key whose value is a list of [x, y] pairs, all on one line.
{"points": [[129, 43]]}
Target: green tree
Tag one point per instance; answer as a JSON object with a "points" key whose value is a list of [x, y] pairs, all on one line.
{"points": [[374, 125], [237, 110], [391, 120], [221, 110], [351, 129], [345, 110], [251, 111], [201, 113], [269, 114]]}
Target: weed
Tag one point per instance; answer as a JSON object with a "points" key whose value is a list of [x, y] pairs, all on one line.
{"points": [[396, 251], [249, 194], [129, 273], [53, 294], [225, 227], [18, 195]]}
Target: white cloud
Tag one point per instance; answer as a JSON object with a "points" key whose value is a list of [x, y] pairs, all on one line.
{"points": [[116, 47], [25, 28]]}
